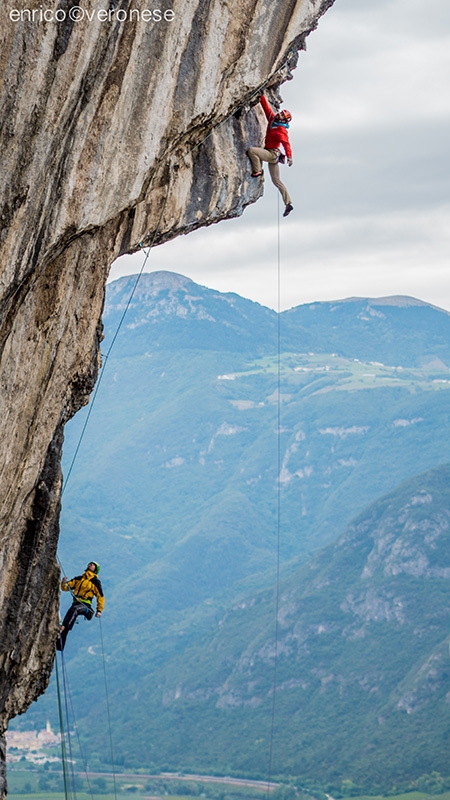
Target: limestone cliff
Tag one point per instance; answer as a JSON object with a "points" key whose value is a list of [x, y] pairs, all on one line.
{"points": [[118, 126]]}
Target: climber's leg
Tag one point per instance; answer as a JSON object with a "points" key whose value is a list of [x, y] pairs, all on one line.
{"points": [[257, 155], [275, 175]]}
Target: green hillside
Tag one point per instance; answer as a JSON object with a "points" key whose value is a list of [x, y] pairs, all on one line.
{"points": [[395, 330], [363, 675], [179, 463], [188, 468]]}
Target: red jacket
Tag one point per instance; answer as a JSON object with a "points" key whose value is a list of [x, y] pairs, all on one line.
{"points": [[277, 136]]}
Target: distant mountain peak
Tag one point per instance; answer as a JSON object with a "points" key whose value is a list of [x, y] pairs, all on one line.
{"points": [[158, 294], [162, 279], [396, 300], [151, 283], [163, 303]]}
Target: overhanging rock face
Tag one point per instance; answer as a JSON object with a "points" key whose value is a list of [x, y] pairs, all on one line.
{"points": [[116, 129]]}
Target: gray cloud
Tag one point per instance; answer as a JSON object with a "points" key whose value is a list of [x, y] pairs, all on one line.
{"points": [[370, 180]]}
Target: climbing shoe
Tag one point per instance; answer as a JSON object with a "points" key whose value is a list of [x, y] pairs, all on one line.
{"points": [[288, 209], [257, 174]]}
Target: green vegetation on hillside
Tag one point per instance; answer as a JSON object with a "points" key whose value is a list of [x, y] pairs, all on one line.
{"points": [[189, 470]]}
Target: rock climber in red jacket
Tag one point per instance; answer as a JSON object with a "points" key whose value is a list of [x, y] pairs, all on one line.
{"points": [[277, 136]]}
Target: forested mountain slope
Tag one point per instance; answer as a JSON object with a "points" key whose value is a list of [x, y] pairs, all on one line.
{"points": [[175, 490], [363, 676]]}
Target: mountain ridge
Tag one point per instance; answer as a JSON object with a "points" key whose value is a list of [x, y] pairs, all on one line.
{"points": [[167, 279], [363, 684], [399, 300], [363, 639], [177, 486], [355, 326], [196, 399]]}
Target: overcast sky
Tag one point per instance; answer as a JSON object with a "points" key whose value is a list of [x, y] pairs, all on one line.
{"points": [[370, 183]]}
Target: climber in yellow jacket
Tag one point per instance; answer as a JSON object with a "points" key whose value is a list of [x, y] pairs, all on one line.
{"points": [[83, 588]]}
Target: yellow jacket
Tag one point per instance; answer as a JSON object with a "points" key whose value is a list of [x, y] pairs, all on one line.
{"points": [[84, 588]]}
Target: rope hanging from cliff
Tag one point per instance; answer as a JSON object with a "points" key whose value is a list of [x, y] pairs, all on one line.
{"points": [[67, 693], [81, 437], [150, 246], [84, 762], [68, 761], [63, 736], [278, 517], [119, 326], [69, 740], [108, 711]]}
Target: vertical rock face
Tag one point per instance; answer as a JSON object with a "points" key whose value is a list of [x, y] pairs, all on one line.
{"points": [[118, 127]]}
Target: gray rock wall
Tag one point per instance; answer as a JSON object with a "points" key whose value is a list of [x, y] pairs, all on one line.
{"points": [[114, 132]]}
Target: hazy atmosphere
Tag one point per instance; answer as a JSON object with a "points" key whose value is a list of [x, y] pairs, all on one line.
{"points": [[225, 508], [370, 182]]}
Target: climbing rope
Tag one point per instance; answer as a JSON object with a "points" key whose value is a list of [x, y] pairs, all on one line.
{"points": [[278, 523], [84, 762], [67, 695], [257, 91], [108, 712], [62, 734], [116, 333], [71, 759]]}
